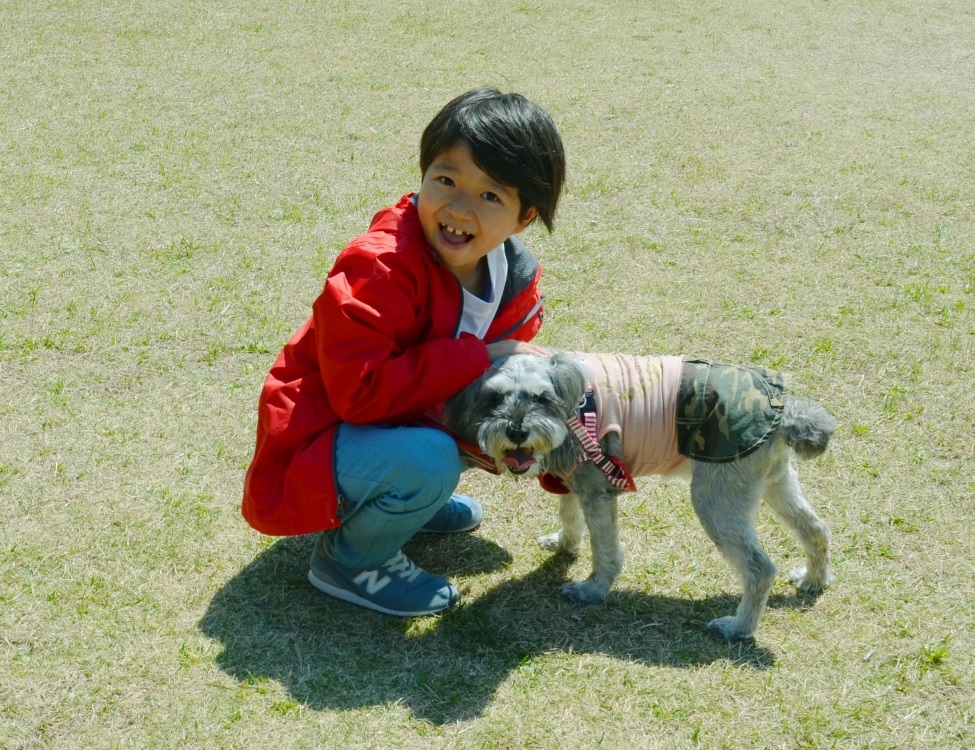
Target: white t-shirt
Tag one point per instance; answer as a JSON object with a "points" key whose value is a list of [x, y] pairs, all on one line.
{"points": [[479, 313]]}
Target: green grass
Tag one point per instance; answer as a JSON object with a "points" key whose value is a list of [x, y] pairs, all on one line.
{"points": [[788, 184]]}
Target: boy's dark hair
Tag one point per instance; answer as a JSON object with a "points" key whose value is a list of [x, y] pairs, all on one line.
{"points": [[511, 139]]}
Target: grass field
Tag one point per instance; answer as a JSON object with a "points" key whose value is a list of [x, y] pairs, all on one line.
{"points": [[791, 184]]}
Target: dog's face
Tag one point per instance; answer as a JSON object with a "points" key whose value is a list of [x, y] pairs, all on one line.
{"points": [[517, 411]]}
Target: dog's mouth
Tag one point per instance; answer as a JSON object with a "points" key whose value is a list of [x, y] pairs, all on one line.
{"points": [[519, 460]]}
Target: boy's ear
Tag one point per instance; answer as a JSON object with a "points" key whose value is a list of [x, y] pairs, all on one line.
{"points": [[530, 215]]}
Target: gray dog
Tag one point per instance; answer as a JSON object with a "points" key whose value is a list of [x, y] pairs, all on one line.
{"points": [[585, 424]]}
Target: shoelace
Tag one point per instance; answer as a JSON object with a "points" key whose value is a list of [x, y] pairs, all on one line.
{"points": [[403, 567]]}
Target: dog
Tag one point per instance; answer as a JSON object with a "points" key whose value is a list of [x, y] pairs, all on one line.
{"points": [[585, 424]]}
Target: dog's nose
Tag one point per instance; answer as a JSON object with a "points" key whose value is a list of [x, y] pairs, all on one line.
{"points": [[517, 435]]}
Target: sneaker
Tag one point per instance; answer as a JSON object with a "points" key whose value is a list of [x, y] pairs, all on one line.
{"points": [[460, 513], [397, 587]]}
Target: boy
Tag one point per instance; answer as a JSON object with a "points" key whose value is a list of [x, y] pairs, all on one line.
{"points": [[412, 311]]}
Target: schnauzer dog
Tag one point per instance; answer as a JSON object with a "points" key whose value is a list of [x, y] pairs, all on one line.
{"points": [[585, 424]]}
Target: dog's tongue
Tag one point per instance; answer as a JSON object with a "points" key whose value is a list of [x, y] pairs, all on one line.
{"points": [[519, 459]]}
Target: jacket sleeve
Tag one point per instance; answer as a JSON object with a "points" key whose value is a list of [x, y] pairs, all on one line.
{"points": [[520, 315], [380, 358]]}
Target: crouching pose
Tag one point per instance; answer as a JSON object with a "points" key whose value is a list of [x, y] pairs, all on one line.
{"points": [[412, 311]]}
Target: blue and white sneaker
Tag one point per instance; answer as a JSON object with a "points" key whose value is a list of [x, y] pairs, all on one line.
{"points": [[397, 587], [460, 513]]}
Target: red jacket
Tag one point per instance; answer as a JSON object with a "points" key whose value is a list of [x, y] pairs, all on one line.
{"points": [[379, 347]]}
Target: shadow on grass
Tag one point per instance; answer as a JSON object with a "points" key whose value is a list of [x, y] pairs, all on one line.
{"points": [[329, 654]]}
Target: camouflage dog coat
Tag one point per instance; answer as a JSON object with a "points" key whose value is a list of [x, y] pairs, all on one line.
{"points": [[667, 409], [725, 412]]}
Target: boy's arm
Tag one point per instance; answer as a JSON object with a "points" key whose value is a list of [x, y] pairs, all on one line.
{"points": [[507, 347], [375, 362]]}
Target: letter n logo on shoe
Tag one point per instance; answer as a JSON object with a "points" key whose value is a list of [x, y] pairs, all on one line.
{"points": [[373, 582]]}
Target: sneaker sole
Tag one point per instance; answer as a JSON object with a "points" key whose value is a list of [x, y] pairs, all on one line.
{"points": [[347, 596], [451, 531]]}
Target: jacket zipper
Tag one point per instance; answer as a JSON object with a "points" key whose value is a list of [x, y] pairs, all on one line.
{"points": [[532, 313]]}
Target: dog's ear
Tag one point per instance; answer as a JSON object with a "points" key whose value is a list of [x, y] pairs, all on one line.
{"points": [[459, 413], [568, 378]]}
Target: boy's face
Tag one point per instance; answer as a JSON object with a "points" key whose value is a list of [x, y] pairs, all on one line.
{"points": [[465, 213]]}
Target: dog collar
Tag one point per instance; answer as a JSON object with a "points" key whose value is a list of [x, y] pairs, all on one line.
{"points": [[582, 424]]}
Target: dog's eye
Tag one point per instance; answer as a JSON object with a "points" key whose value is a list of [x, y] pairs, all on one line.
{"points": [[492, 399], [539, 398]]}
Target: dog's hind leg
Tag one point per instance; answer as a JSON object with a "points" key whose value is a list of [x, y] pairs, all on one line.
{"points": [[784, 497], [726, 499], [567, 539], [598, 499]]}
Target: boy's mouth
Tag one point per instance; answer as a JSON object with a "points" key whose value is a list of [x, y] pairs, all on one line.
{"points": [[452, 236]]}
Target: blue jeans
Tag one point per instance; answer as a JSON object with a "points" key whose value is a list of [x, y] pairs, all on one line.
{"points": [[391, 481]]}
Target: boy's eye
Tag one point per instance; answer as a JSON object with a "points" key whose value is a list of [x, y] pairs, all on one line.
{"points": [[445, 181], [491, 197]]}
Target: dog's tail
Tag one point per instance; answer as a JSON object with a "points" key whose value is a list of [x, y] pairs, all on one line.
{"points": [[806, 427]]}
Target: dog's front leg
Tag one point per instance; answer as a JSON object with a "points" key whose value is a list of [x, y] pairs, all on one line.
{"points": [[567, 539], [602, 518]]}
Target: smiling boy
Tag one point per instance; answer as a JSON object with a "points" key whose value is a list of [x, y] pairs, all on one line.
{"points": [[466, 214], [412, 311]]}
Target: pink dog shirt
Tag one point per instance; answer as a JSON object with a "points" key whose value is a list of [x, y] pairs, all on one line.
{"points": [[636, 397]]}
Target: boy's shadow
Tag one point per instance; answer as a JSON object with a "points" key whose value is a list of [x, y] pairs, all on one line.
{"points": [[328, 654]]}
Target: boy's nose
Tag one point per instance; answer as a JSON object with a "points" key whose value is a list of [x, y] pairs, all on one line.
{"points": [[460, 205]]}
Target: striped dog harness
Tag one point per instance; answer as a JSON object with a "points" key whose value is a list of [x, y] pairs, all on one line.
{"points": [[582, 425]]}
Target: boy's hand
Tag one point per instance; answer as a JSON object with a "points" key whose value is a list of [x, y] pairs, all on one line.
{"points": [[512, 346]]}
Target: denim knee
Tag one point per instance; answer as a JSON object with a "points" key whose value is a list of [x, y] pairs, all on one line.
{"points": [[433, 469], [436, 455], [400, 469]]}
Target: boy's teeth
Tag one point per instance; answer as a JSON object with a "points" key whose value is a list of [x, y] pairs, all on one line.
{"points": [[454, 231]]}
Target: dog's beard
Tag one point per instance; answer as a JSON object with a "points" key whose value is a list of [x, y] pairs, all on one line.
{"points": [[527, 458]]}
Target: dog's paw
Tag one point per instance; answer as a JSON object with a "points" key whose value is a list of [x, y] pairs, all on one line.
{"points": [[586, 592], [550, 541], [554, 542], [802, 580], [729, 629]]}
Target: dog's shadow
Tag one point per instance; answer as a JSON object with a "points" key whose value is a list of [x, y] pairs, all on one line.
{"points": [[274, 626]]}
